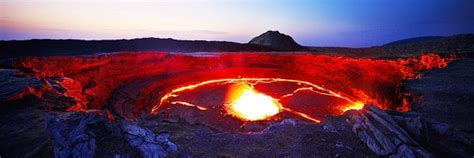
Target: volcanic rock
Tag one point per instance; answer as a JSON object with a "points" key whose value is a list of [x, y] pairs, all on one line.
{"points": [[25, 101], [383, 135], [72, 140], [149, 144], [288, 137], [77, 134], [15, 85], [445, 102], [277, 40], [437, 136], [55, 93]]}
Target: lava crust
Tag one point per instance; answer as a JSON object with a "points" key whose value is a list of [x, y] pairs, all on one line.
{"points": [[135, 83]]}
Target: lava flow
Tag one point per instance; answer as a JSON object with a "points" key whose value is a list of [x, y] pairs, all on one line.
{"points": [[205, 88], [243, 101]]}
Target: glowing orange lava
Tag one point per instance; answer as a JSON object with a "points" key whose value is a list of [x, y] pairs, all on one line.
{"points": [[246, 103], [192, 86], [354, 106]]}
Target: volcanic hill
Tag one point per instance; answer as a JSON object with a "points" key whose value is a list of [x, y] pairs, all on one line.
{"points": [[277, 40]]}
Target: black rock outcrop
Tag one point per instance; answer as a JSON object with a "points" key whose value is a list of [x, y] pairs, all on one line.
{"points": [[277, 40]]}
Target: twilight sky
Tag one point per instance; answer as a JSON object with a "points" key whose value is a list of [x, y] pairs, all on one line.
{"points": [[350, 23]]}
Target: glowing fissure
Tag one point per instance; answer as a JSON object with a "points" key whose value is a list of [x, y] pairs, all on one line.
{"points": [[304, 89], [188, 104], [306, 116], [250, 105]]}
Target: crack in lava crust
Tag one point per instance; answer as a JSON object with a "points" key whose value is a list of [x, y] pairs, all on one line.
{"points": [[303, 86]]}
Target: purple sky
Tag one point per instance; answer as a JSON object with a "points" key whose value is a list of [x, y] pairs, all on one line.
{"points": [[357, 23]]}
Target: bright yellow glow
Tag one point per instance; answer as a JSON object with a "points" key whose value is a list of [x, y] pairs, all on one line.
{"points": [[249, 105], [241, 85], [313, 87], [354, 106]]}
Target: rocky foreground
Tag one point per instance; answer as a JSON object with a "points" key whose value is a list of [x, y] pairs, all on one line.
{"points": [[439, 125]]}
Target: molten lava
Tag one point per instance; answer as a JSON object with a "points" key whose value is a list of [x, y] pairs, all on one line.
{"points": [[354, 106], [196, 87], [247, 104]]}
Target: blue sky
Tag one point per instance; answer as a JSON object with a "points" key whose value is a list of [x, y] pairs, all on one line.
{"points": [[356, 23]]}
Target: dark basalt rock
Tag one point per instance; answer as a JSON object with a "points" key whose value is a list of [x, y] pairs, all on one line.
{"points": [[24, 103], [383, 135], [90, 134], [398, 134], [440, 138], [444, 108], [51, 91], [277, 40], [72, 140], [285, 138], [13, 84], [149, 143]]}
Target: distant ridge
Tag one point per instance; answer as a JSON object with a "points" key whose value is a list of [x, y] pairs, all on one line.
{"points": [[277, 40], [49, 47], [458, 44], [461, 44], [414, 40]]}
